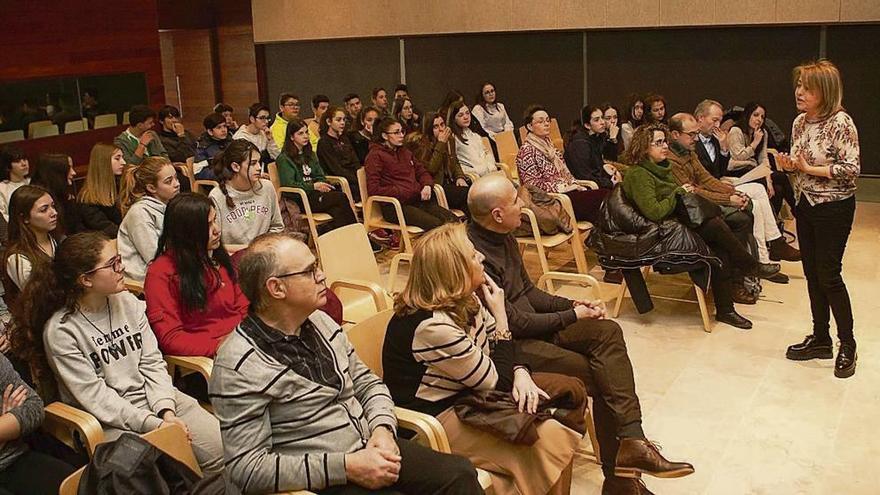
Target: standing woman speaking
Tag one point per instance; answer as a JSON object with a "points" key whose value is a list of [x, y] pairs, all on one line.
{"points": [[824, 163]]}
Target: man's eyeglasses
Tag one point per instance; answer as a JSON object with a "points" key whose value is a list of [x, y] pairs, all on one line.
{"points": [[312, 270], [262, 117], [659, 143], [115, 264]]}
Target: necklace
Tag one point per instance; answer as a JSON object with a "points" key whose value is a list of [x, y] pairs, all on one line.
{"points": [[109, 317]]}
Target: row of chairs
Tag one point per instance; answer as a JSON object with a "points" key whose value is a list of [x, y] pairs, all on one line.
{"points": [[45, 128]]}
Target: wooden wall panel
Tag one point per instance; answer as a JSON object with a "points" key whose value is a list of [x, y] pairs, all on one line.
{"points": [[238, 74], [194, 71]]}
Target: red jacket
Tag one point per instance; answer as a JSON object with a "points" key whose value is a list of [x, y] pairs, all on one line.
{"points": [[395, 173], [196, 333]]}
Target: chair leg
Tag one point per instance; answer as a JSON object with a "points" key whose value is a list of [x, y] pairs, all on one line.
{"points": [[621, 294], [577, 248], [591, 431], [407, 242], [704, 310]]}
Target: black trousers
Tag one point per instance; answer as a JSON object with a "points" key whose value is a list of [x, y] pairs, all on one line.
{"points": [[735, 260], [586, 204], [334, 203], [424, 214], [456, 196], [595, 352], [423, 471], [34, 473], [822, 232]]}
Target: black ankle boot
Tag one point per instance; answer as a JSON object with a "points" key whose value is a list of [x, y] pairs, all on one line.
{"points": [[845, 366], [810, 348]]}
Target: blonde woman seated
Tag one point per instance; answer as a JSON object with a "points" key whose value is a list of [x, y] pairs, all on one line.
{"points": [[443, 343]]}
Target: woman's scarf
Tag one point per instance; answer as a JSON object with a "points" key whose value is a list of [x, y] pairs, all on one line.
{"points": [[545, 146]]}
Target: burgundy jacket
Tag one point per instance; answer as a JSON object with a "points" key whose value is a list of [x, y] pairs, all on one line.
{"points": [[395, 173]]}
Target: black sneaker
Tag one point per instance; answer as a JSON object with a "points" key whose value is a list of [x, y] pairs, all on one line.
{"points": [[376, 246], [845, 365], [810, 348]]}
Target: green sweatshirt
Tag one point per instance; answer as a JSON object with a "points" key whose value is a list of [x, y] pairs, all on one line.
{"points": [[652, 188], [294, 175]]}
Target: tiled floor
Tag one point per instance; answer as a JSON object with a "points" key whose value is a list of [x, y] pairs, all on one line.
{"points": [[729, 402]]}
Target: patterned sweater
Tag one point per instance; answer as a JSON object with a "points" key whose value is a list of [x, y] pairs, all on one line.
{"points": [[537, 170], [834, 142], [282, 432]]}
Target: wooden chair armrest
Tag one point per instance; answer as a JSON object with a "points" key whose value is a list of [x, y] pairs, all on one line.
{"points": [[533, 222], [133, 286], [377, 293], [441, 196], [504, 168], [578, 278], [473, 177], [61, 419], [395, 267], [307, 207], [196, 364], [200, 183], [568, 207], [427, 426], [398, 209], [587, 183], [344, 186]]}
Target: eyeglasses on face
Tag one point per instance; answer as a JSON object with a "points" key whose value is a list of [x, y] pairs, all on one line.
{"points": [[262, 117], [115, 264], [659, 143], [311, 270], [399, 131]]}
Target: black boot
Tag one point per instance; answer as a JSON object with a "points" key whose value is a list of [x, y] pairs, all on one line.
{"points": [[734, 319], [810, 348], [845, 366]]}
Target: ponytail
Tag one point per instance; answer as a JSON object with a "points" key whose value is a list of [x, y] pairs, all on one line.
{"points": [[238, 151], [135, 181]]}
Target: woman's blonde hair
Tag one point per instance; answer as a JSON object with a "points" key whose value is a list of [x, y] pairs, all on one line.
{"points": [[440, 276], [641, 143], [822, 77], [136, 179], [101, 187]]}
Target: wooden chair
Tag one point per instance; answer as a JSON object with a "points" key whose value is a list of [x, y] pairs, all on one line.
{"points": [[542, 242], [125, 116], [699, 301], [33, 126], [75, 126], [72, 427], [442, 201], [11, 136], [345, 187], [312, 218], [45, 131], [373, 218], [507, 151], [353, 274], [367, 339], [105, 120], [555, 134]]}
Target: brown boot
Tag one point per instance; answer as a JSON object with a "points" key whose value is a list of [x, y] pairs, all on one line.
{"points": [[780, 250], [638, 455], [743, 296], [624, 486]]}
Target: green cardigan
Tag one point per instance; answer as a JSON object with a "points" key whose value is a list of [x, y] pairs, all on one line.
{"points": [[291, 175], [652, 188]]}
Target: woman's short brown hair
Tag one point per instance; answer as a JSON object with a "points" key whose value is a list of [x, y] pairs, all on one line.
{"points": [[641, 143], [822, 77]]}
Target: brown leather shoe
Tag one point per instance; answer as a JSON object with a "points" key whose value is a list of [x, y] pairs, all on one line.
{"points": [[638, 455], [624, 486], [782, 251]]}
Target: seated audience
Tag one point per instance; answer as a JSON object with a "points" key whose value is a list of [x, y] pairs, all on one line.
{"points": [[634, 117], [246, 204], [473, 157], [287, 362], [78, 323], [490, 112], [55, 173], [140, 141], [655, 109], [558, 335], [258, 133], [403, 112], [401, 91], [443, 343], [288, 109], [145, 192], [649, 185], [541, 165], [98, 200], [298, 166], [613, 143], [211, 143], [320, 104], [335, 151], [392, 170], [178, 142], [748, 143], [585, 150], [14, 172], [380, 101], [353, 106], [433, 148], [227, 112], [361, 134], [712, 145], [32, 237], [24, 471], [193, 298]]}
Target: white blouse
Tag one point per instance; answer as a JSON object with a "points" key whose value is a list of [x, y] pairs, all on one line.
{"points": [[473, 157], [494, 119]]}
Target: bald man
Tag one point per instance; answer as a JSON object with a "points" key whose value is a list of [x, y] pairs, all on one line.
{"points": [[555, 334]]}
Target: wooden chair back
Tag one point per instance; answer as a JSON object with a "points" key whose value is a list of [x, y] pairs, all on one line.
{"points": [[368, 337]]}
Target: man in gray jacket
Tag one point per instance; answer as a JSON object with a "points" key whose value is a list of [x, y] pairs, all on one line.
{"points": [[297, 407]]}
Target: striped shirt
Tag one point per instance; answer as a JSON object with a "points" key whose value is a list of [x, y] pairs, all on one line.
{"points": [[429, 360], [284, 432]]}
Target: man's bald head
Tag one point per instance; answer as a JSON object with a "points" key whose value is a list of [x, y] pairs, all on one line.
{"points": [[683, 130], [677, 121], [493, 203], [265, 257]]}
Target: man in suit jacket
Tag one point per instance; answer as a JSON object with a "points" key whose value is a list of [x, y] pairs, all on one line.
{"points": [[711, 141]]}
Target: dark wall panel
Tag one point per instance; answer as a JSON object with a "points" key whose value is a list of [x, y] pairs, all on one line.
{"points": [[526, 68], [859, 64], [733, 66], [333, 68]]}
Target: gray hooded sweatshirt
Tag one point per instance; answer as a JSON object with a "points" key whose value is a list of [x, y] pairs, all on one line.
{"points": [[138, 236]]}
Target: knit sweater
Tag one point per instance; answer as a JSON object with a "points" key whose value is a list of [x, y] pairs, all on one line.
{"points": [[128, 143], [493, 118], [396, 173], [29, 414], [536, 169], [439, 161], [282, 432], [138, 236], [832, 142], [109, 364], [197, 332], [685, 167], [255, 212], [652, 188], [473, 157], [302, 176]]}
